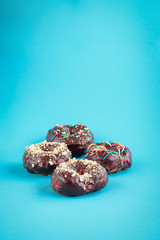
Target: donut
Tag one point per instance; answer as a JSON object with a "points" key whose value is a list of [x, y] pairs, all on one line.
{"points": [[77, 137], [44, 157], [78, 177], [111, 155]]}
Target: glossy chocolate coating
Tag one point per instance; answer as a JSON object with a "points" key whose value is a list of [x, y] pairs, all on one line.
{"points": [[111, 155], [78, 177], [77, 137], [44, 157]]}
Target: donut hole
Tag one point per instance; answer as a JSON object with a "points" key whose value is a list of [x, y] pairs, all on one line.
{"points": [[47, 148], [81, 171], [73, 130], [112, 148], [80, 168]]}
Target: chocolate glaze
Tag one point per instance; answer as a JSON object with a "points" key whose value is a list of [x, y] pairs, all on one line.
{"points": [[78, 177], [111, 155], [44, 157], [77, 137]]}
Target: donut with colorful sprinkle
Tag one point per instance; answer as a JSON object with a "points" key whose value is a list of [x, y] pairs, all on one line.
{"points": [[111, 155], [77, 137]]}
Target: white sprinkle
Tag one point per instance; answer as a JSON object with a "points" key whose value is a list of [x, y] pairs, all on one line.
{"points": [[50, 162]]}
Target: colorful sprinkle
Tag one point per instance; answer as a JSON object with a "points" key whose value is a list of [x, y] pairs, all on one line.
{"points": [[53, 137]]}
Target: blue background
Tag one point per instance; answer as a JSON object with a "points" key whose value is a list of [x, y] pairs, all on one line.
{"points": [[95, 62]]}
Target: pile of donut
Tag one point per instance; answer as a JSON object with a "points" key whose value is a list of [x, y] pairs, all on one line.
{"points": [[58, 154]]}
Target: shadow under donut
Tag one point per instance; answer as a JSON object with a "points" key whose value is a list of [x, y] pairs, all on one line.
{"points": [[16, 170]]}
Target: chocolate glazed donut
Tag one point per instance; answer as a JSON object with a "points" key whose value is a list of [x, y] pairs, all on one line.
{"points": [[78, 177], [77, 137], [111, 155], [44, 157]]}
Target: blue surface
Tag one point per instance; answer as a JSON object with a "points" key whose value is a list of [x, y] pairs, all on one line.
{"points": [[95, 62]]}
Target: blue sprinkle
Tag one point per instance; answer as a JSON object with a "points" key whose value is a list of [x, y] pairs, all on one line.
{"points": [[114, 152], [53, 137], [106, 155]]}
